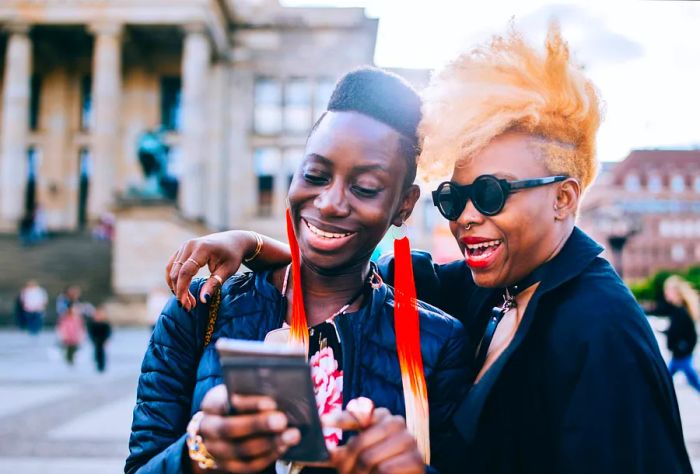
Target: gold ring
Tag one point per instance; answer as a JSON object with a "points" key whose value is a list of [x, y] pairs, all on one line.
{"points": [[217, 278], [193, 261], [177, 262]]}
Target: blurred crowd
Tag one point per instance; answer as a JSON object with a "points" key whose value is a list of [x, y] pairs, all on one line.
{"points": [[78, 320]]}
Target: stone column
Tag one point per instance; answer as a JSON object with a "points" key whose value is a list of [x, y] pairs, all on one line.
{"points": [[15, 129], [105, 126], [241, 184], [195, 73]]}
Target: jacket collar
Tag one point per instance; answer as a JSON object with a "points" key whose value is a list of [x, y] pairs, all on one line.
{"points": [[578, 252]]}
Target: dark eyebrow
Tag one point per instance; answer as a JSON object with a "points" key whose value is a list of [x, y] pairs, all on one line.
{"points": [[320, 158], [359, 169]]}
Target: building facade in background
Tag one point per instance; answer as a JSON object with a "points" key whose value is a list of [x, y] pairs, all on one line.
{"points": [[178, 117], [653, 198], [230, 88]]}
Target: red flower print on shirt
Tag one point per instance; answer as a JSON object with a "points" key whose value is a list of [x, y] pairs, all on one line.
{"points": [[328, 387]]}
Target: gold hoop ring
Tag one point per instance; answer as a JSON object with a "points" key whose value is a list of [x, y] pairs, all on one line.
{"points": [[217, 278], [177, 262], [190, 259]]}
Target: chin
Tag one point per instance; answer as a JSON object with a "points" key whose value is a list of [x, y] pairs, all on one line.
{"points": [[487, 279]]}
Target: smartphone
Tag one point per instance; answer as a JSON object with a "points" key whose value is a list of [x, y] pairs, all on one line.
{"points": [[282, 373]]}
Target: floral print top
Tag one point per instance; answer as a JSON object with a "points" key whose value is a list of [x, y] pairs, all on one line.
{"points": [[326, 361]]}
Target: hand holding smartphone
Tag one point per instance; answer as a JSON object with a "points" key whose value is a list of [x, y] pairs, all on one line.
{"points": [[283, 374]]}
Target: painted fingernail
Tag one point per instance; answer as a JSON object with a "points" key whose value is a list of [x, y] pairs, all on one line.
{"points": [[277, 421], [291, 437], [206, 298], [179, 305]]}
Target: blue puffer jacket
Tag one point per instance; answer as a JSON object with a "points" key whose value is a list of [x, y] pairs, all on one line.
{"points": [[178, 371]]}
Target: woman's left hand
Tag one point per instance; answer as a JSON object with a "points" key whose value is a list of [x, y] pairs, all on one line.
{"points": [[384, 446]]}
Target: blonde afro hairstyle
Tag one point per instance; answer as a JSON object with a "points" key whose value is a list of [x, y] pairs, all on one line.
{"points": [[509, 86]]}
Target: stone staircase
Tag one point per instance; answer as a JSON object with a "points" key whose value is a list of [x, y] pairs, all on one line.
{"points": [[61, 260]]}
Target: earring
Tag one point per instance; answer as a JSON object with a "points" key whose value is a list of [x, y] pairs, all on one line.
{"points": [[469, 225]]}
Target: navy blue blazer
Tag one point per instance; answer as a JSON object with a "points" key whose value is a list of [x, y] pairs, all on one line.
{"points": [[582, 388]]}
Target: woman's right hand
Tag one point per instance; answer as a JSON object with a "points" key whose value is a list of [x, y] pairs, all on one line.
{"points": [[222, 252], [249, 441]]}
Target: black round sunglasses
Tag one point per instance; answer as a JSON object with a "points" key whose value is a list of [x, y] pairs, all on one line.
{"points": [[487, 192]]}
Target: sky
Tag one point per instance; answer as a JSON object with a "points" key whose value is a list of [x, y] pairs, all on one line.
{"points": [[644, 56]]}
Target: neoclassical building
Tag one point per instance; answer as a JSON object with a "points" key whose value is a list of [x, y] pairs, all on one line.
{"points": [[229, 89], [232, 86]]}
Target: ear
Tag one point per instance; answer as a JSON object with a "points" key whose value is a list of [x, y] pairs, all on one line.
{"points": [[567, 199], [408, 201]]}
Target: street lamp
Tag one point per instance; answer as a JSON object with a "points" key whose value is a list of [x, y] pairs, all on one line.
{"points": [[618, 226]]}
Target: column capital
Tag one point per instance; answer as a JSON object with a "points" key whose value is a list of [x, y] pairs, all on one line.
{"points": [[16, 28], [106, 28]]}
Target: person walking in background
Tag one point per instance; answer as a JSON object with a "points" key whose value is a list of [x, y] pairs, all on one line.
{"points": [[681, 304], [69, 297], [99, 330], [33, 299], [71, 332]]}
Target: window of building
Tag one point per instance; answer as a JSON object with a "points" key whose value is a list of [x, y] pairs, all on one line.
{"points": [[268, 106], [85, 103], [30, 185], [297, 105], [678, 183], [664, 228], [654, 183], [678, 252], [267, 162], [322, 94], [85, 171], [632, 182], [34, 101], [292, 158], [170, 103]]}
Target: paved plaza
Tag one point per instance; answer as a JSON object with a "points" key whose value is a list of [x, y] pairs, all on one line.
{"points": [[60, 420]]}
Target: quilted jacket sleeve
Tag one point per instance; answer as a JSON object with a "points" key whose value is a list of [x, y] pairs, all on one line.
{"points": [[163, 400]]}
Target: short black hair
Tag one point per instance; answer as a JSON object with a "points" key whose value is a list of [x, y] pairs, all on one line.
{"points": [[385, 97]]}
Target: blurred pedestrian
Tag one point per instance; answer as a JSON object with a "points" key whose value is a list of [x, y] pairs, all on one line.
{"points": [[99, 330], [33, 299], [20, 315], [71, 332], [69, 297], [681, 304]]}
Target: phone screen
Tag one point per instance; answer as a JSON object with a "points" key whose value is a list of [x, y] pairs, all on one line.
{"points": [[287, 379]]}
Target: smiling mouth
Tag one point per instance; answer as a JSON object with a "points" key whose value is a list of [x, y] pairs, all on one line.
{"points": [[325, 235], [482, 250]]}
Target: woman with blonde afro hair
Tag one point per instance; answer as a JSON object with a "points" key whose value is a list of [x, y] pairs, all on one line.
{"points": [[567, 375]]}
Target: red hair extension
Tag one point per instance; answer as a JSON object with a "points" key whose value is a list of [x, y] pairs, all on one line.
{"points": [[299, 332], [406, 325]]}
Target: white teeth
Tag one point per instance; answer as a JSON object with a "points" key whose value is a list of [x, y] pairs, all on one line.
{"points": [[491, 243], [327, 235]]}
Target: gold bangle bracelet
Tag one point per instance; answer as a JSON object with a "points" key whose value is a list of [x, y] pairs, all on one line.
{"points": [[258, 247]]}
